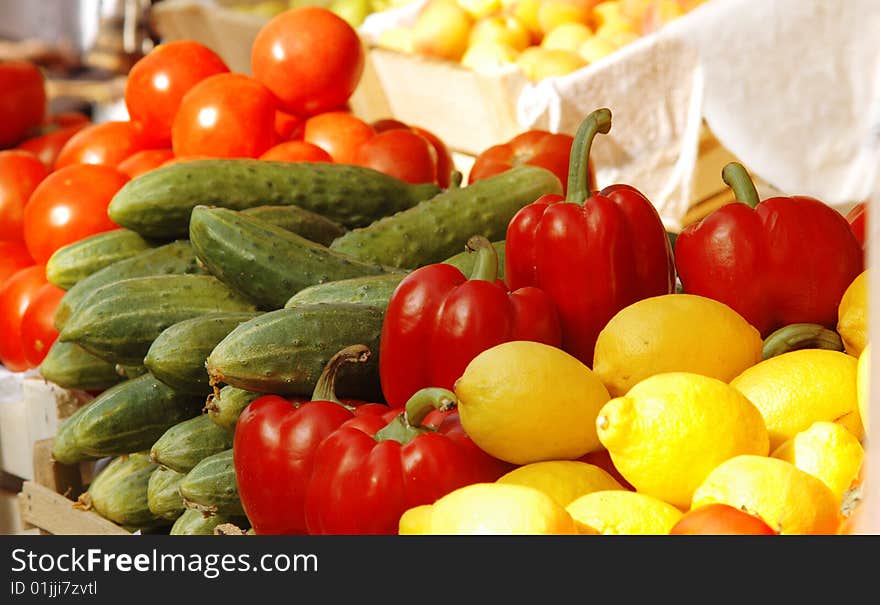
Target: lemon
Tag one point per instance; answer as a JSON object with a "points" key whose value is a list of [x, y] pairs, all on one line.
{"points": [[674, 333], [525, 401], [852, 315], [827, 451], [619, 512], [672, 429], [863, 393], [788, 499], [491, 508], [562, 480], [414, 520], [796, 389]]}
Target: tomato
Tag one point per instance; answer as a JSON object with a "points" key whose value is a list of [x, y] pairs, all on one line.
{"points": [[38, 330], [338, 133], [22, 101], [15, 296], [400, 153], [310, 58], [106, 143], [20, 173], [157, 83], [178, 159], [144, 161], [720, 519], [13, 256], [296, 151], [388, 124], [534, 147], [226, 115], [47, 146], [288, 127], [70, 204], [63, 119]]}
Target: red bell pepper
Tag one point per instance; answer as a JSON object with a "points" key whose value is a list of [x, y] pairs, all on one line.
{"points": [[371, 469], [593, 253], [857, 218], [274, 445], [438, 320], [781, 261]]}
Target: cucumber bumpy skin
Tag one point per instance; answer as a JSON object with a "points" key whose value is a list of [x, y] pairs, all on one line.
{"points": [[158, 203], [186, 444], [310, 225], [196, 523], [211, 486], [163, 495], [440, 227], [226, 405], [374, 290], [71, 367], [74, 262], [119, 492]]}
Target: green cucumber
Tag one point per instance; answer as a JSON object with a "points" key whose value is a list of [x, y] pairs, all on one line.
{"points": [[119, 492], [196, 523], [211, 487], [310, 225], [74, 262], [226, 405], [158, 203], [119, 321], [174, 258], [285, 351], [264, 262], [71, 367], [464, 261], [128, 417], [374, 290], [163, 495], [186, 444], [177, 355], [438, 228]]}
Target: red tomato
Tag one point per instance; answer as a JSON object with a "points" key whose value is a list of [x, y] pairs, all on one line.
{"points": [[338, 133], [68, 205], [106, 143], [13, 256], [310, 58], [226, 115], [534, 147], [38, 330], [288, 127], [20, 173], [445, 164], [47, 146], [400, 153], [15, 296], [65, 118], [144, 161], [296, 151], [387, 124], [157, 83], [22, 101], [720, 519]]}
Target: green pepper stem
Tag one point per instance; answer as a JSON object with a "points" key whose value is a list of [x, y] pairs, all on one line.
{"points": [[325, 388], [580, 181], [800, 336], [407, 425], [486, 263], [737, 178]]}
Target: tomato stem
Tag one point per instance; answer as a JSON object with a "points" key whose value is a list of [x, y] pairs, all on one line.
{"points": [[580, 181], [325, 388], [486, 263], [737, 178], [407, 425]]}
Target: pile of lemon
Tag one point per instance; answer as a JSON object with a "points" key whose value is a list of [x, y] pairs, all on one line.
{"points": [[684, 408]]}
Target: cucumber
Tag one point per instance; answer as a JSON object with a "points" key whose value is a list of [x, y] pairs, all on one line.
{"points": [[285, 351], [73, 262], [119, 492], [374, 290], [226, 405], [163, 496], [264, 262], [71, 367], [211, 487], [177, 355], [186, 444], [119, 321], [196, 523], [440, 227], [128, 417], [173, 258], [309, 225], [464, 261], [158, 204]]}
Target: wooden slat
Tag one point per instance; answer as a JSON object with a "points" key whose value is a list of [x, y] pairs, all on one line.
{"points": [[60, 478], [55, 514]]}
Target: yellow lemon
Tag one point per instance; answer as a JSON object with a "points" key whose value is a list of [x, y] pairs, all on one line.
{"points": [[539, 63], [618, 512], [414, 521], [672, 429], [863, 393], [562, 480], [852, 315], [788, 499], [501, 28], [488, 55], [567, 36], [674, 333], [827, 451], [796, 389], [441, 30], [480, 8], [492, 508], [525, 401], [596, 48]]}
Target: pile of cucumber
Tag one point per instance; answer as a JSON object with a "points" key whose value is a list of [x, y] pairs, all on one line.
{"points": [[231, 279]]}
